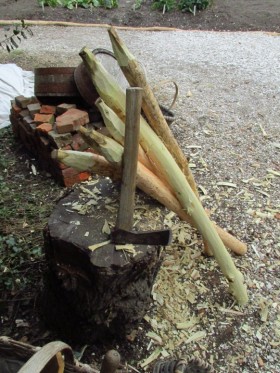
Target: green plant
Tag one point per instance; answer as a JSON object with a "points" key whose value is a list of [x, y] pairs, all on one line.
{"points": [[72, 4], [193, 5], [14, 256], [137, 5], [164, 5], [19, 32], [51, 3]]}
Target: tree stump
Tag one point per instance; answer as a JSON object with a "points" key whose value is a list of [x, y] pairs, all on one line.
{"points": [[102, 293]]}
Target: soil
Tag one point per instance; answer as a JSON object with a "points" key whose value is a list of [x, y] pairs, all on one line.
{"points": [[237, 15], [227, 123]]}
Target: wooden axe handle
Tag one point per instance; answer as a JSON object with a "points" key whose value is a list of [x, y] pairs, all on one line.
{"points": [[130, 158]]}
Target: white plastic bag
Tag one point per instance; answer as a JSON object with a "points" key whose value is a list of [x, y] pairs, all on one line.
{"points": [[13, 82]]}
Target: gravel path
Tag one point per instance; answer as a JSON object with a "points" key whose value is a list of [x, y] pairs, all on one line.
{"points": [[228, 115]]}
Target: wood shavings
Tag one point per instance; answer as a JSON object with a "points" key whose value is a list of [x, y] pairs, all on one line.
{"points": [[75, 222], [151, 358], [273, 172], [106, 229], [230, 311], [128, 248], [98, 245], [276, 145], [187, 324], [227, 184], [264, 308], [90, 192], [263, 131], [204, 191], [196, 337], [155, 337], [193, 147]]}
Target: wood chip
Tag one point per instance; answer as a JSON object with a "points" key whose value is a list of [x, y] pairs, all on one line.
{"points": [[98, 245]]}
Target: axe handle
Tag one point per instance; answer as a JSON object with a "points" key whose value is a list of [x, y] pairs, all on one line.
{"points": [[130, 158]]}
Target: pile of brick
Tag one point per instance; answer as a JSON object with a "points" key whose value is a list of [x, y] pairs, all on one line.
{"points": [[43, 128]]}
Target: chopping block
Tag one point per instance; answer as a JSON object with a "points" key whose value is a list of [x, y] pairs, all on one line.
{"points": [[103, 255], [88, 294]]}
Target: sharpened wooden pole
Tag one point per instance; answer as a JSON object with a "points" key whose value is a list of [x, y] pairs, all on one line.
{"points": [[130, 158]]}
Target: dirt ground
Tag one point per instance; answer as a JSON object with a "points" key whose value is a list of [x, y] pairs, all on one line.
{"points": [[233, 15]]}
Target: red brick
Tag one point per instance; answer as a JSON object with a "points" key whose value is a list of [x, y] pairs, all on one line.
{"points": [[44, 118], [78, 143], [45, 127], [82, 176], [48, 109], [71, 120], [62, 108], [69, 172], [15, 109], [61, 166]]}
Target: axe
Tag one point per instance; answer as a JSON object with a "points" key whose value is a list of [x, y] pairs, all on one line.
{"points": [[123, 234]]}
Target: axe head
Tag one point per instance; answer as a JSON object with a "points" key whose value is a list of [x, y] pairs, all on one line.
{"points": [[160, 238]]}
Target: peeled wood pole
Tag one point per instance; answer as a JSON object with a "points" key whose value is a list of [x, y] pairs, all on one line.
{"points": [[135, 76], [130, 158], [117, 130], [114, 97]]}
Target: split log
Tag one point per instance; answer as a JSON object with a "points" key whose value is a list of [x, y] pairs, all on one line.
{"points": [[114, 97]]}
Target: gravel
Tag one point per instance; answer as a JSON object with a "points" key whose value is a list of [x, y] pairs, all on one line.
{"points": [[227, 123]]}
